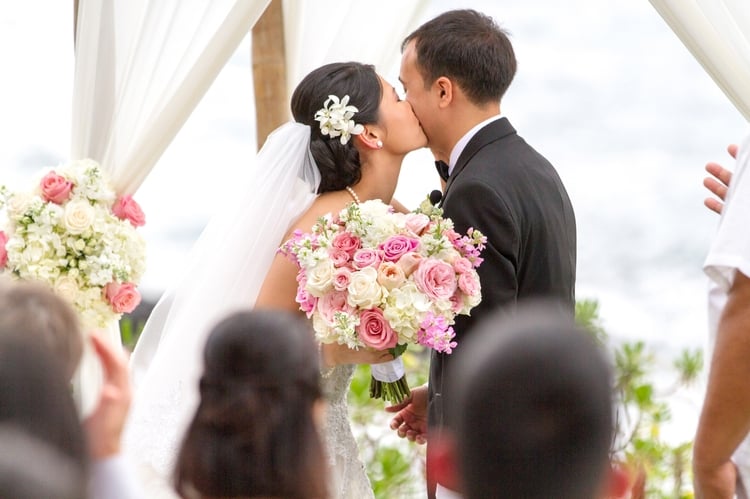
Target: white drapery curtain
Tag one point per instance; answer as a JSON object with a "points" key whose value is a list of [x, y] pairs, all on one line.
{"points": [[141, 68], [351, 31], [717, 33]]}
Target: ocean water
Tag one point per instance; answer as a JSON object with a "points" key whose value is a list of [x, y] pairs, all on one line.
{"points": [[604, 89]]}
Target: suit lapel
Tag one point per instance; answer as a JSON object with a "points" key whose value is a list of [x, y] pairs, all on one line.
{"points": [[490, 133]]}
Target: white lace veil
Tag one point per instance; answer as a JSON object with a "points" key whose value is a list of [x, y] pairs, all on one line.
{"points": [[225, 270]]}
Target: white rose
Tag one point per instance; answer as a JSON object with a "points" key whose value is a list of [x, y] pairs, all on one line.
{"points": [[79, 215], [364, 290], [67, 288], [320, 278], [19, 203]]}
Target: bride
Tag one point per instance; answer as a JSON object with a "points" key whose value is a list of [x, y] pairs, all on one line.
{"points": [[303, 171]]}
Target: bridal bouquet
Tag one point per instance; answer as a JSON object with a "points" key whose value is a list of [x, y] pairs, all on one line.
{"points": [[72, 233], [371, 277]]}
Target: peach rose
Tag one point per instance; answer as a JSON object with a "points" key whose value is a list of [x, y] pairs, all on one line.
{"points": [[55, 188], [374, 330], [390, 275], [123, 297], [126, 208]]}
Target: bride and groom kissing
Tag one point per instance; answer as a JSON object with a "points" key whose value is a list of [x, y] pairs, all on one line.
{"points": [[454, 69]]}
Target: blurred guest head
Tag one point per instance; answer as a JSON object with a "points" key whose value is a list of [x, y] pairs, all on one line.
{"points": [[254, 433], [33, 310], [41, 435], [535, 415]]}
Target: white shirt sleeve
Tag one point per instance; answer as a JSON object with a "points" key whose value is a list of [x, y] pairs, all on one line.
{"points": [[111, 479], [730, 249]]}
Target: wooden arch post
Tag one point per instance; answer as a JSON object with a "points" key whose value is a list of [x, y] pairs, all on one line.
{"points": [[269, 71]]}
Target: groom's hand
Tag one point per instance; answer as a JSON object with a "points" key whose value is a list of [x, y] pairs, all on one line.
{"points": [[410, 421]]}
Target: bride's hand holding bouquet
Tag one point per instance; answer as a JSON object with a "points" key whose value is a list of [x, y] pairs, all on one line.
{"points": [[371, 278]]}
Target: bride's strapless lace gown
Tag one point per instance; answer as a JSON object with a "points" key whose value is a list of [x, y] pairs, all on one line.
{"points": [[347, 478]]}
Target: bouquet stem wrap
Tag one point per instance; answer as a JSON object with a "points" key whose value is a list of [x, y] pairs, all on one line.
{"points": [[388, 381]]}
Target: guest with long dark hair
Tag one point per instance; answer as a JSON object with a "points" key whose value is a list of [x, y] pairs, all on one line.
{"points": [[255, 432]]}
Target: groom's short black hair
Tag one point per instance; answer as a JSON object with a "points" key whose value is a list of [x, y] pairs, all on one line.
{"points": [[534, 415], [469, 48]]}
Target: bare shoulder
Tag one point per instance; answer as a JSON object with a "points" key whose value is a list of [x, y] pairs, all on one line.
{"points": [[330, 202]]}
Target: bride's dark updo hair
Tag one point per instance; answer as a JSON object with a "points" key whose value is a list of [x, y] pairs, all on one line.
{"points": [[338, 164]]}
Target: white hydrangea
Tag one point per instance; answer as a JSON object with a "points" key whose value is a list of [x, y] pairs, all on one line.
{"points": [[76, 247]]}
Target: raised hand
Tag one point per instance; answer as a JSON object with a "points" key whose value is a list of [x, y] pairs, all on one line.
{"points": [[410, 421], [104, 426], [718, 183]]}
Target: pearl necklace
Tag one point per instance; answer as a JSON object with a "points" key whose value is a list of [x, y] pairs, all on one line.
{"points": [[353, 194]]}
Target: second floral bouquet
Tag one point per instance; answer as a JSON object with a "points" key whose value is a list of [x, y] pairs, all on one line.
{"points": [[371, 277]]}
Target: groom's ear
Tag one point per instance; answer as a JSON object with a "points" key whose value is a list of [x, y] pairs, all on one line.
{"points": [[444, 88]]}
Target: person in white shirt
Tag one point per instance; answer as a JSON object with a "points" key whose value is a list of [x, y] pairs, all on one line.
{"points": [[721, 454]]}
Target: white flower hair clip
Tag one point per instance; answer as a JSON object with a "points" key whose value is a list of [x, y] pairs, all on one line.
{"points": [[336, 119]]}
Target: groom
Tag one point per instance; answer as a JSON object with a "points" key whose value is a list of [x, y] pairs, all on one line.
{"points": [[455, 70]]}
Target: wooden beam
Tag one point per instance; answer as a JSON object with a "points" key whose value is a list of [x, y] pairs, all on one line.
{"points": [[75, 21], [269, 71]]}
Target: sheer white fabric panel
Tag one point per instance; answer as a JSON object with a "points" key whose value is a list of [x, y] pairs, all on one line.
{"points": [[717, 33], [226, 269], [141, 68], [352, 31]]}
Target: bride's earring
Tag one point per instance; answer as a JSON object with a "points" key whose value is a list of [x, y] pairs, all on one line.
{"points": [[379, 143]]}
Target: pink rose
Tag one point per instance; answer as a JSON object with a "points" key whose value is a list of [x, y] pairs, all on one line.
{"points": [[3, 251], [469, 284], [457, 302], [341, 278], [306, 301], [125, 208], [435, 278], [462, 265], [416, 223], [346, 241], [55, 188], [339, 257], [366, 257], [409, 262], [331, 303], [396, 246], [122, 296], [374, 330]]}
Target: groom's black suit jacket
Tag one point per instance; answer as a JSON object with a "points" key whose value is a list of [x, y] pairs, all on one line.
{"points": [[503, 187]]}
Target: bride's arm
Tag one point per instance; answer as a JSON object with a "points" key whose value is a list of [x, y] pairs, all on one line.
{"points": [[279, 288]]}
